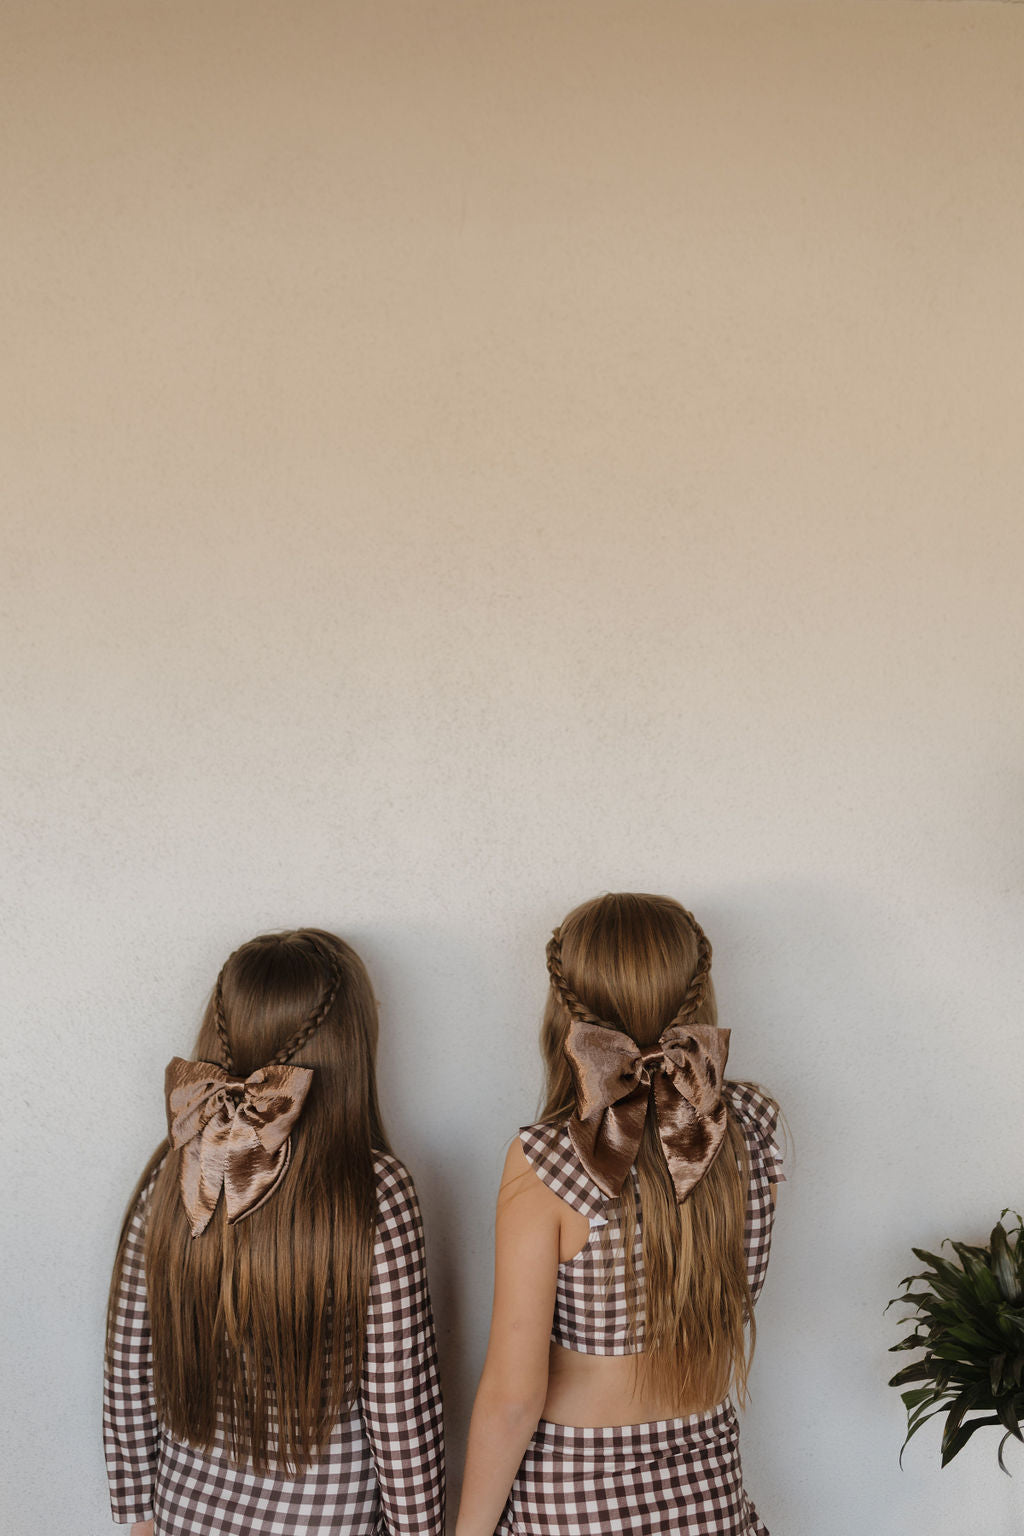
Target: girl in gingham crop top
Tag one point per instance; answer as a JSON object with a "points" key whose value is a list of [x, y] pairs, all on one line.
{"points": [[636, 1095], [591, 1313]]}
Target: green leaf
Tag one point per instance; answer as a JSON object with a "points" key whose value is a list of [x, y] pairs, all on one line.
{"points": [[1010, 1324], [947, 1281], [917, 1341], [913, 1428], [950, 1349], [1004, 1268], [923, 1409], [975, 1262], [923, 1414], [1009, 1415], [963, 1434], [967, 1333], [999, 1456], [923, 1299], [995, 1371], [966, 1251], [962, 1405], [986, 1287], [921, 1370]]}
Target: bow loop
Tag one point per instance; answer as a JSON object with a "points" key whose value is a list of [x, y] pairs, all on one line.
{"points": [[615, 1083], [232, 1133]]}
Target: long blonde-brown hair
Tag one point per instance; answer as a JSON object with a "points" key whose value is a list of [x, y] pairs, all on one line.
{"points": [[260, 1327], [636, 963]]}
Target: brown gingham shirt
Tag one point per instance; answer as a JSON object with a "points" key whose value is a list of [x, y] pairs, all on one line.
{"points": [[591, 1313], [382, 1470]]}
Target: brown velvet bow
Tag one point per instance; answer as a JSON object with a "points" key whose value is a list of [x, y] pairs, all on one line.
{"points": [[234, 1133], [614, 1082]]}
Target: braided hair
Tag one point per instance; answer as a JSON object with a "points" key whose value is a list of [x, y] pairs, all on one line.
{"points": [[689, 1008], [302, 1034], [313, 1023], [236, 1354], [566, 996], [634, 961], [219, 1020]]}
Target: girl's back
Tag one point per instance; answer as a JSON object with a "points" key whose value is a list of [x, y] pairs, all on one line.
{"points": [[271, 1364], [595, 1370], [632, 1236]]}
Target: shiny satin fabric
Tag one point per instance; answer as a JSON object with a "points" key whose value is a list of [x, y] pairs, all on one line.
{"points": [[615, 1083], [233, 1134]]}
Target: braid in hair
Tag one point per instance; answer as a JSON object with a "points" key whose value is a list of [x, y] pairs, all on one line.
{"points": [[697, 989], [563, 991], [220, 1020], [313, 1023], [688, 1008]]}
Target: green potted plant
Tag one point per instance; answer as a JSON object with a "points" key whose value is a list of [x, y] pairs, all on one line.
{"points": [[969, 1320]]}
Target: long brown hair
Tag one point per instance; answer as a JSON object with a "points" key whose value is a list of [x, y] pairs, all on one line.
{"points": [[260, 1327], [636, 963]]}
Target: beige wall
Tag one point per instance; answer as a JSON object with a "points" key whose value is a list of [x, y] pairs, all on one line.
{"points": [[461, 458]]}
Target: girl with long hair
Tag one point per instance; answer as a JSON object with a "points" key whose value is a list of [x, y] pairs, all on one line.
{"points": [[270, 1362], [632, 1235]]}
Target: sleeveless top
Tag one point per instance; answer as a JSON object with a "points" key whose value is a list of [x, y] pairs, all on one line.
{"points": [[591, 1314]]}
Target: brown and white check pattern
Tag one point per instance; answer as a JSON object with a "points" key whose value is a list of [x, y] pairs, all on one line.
{"points": [[677, 1475], [383, 1467], [590, 1304]]}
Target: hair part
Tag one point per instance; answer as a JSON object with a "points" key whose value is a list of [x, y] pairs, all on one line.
{"points": [[259, 1328], [639, 963]]}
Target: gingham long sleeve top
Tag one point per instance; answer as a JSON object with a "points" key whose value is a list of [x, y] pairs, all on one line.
{"points": [[400, 1396], [131, 1432], [383, 1468]]}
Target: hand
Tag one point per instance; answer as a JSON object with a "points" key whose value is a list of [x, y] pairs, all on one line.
{"points": [[142, 1528]]}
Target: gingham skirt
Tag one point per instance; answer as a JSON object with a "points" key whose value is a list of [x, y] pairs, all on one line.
{"points": [[674, 1475]]}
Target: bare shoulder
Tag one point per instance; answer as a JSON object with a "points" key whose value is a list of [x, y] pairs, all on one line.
{"points": [[521, 1184], [530, 1210], [517, 1164]]}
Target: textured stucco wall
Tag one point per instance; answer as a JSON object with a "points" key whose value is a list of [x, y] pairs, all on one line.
{"points": [[460, 458]]}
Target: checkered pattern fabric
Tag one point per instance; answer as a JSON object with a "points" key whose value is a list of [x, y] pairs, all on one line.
{"points": [[759, 1118], [131, 1434], [590, 1302], [383, 1467], [678, 1476]]}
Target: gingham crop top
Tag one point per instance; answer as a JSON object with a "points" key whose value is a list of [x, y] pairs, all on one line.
{"points": [[590, 1303]]}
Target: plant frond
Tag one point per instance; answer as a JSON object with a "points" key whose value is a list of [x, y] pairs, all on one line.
{"points": [[968, 1319]]}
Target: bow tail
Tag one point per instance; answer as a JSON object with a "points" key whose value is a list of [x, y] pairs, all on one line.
{"points": [[607, 1140], [201, 1167], [253, 1172], [690, 1141]]}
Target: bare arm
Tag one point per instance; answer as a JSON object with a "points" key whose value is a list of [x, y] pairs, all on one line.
{"points": [[513, 1385]]}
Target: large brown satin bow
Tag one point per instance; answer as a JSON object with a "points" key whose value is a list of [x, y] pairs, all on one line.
{"points": [[614, 1079], [234, 1133]]}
